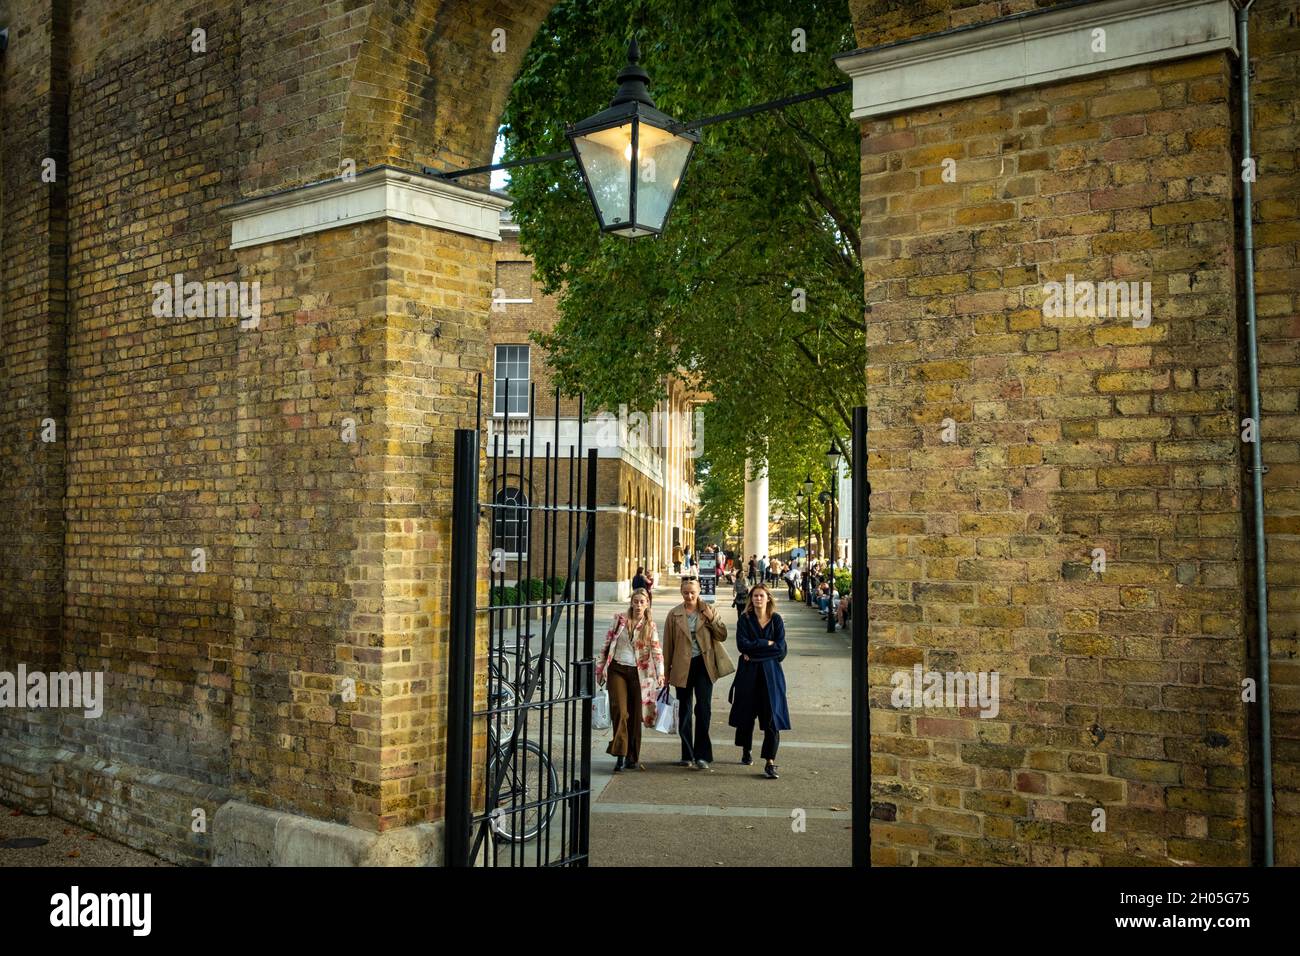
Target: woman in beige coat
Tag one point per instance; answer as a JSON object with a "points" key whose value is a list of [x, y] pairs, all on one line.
{"points": [[695, 659]]}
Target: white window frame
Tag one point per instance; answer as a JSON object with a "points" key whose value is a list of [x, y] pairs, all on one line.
{"points": [[498, 379]]}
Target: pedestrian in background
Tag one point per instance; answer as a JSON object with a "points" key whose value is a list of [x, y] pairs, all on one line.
{"points": [[739, 594], [758, 689], [639, 582], [632, 663], [695, 659]]}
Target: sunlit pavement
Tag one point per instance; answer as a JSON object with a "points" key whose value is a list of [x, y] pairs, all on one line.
{"points": [[731, 815]]}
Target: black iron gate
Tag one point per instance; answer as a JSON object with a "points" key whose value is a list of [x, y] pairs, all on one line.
{"points": [[519, 742]]}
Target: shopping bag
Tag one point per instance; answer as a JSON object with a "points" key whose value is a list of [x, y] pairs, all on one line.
{"points": [[666, 713], [798, 595], [600, 719]]}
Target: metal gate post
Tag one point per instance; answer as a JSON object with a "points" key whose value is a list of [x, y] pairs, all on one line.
{"points": [[588, 652], [858, 629], [460, 652]]}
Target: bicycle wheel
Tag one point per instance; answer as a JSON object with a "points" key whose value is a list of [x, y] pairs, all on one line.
{"points": [[523, 785], [557, 679], [502, 697]]}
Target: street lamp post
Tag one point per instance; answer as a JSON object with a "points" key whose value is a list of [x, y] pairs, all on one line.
{"points": [[798, 521], [833, 460], [808, 486]]}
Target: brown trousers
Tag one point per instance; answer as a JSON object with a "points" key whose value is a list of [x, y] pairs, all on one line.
{"points": [[625, 711]]}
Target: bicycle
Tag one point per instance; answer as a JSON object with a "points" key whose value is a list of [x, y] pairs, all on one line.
{"points": [[520, 770], [524, 787], [505, 691]]}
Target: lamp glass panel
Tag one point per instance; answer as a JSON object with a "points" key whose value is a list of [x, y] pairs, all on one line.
{"points": [[606, 160], [663, 157]]}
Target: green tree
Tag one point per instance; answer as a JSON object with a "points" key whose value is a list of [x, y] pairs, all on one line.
{"points": [[766, 220]]}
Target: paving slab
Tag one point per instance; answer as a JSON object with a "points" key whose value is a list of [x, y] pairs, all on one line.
{"points": [[810, 777], [721, 842]]}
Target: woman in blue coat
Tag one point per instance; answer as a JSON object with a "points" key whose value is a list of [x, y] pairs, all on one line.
{"points": [[758, 689]]}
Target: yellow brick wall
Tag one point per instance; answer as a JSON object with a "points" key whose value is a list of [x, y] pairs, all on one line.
{"points": [[1120, 689]]}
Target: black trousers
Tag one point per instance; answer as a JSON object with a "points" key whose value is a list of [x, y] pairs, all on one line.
{"points": [[771, 736], [697, 745]]}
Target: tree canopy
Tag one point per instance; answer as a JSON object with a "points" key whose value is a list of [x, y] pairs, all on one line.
{"points": [[766, 221]]}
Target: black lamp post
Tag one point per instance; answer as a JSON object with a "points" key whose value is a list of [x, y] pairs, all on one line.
{"points": [[798, 521], [833, 460], [808, 486], [632, 156]]}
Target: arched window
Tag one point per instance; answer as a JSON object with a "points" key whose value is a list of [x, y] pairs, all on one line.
{"points": [[510, 522]]}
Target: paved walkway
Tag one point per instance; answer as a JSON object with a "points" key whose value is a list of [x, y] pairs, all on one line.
{"points": [[731, 815]]}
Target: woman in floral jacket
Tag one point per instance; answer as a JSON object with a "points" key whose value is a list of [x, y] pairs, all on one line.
{"points": [[632, 662]]}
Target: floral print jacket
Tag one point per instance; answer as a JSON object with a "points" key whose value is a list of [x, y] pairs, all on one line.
{"points": [[649, 662]]}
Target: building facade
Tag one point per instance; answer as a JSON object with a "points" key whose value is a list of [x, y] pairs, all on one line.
{"points": [[646, 492]]}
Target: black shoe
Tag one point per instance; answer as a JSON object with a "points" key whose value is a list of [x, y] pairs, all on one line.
{"points": [[684, 763], [746, 758], [629, 765], [618, 764], [770, 770], [701, 765]]}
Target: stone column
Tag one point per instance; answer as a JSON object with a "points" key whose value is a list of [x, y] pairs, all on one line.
{"points": [[756, 515], [350, 387], [1057, 490]]}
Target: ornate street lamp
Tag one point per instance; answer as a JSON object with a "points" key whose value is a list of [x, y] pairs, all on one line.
{"points": [[632, 156], [833, 458]]}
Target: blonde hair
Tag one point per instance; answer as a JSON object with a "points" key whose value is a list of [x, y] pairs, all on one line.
{"points": [[771, 600], [631, 615]]}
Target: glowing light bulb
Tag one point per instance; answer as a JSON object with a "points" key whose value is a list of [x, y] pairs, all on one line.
{"points": [[627, 152]]}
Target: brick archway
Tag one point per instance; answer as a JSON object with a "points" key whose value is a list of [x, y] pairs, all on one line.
{"points": [[417, 82], [326, 558]]}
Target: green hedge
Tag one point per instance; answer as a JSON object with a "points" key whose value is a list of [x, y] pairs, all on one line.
{"points": [[504, 595], [843, 581], [528, 591]]}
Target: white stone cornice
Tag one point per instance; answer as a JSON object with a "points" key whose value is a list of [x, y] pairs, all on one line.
{"points": [[379, 193], [1029, 49]]}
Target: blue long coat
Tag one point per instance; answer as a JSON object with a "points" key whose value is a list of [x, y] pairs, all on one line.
{"points": [[752, 640]]}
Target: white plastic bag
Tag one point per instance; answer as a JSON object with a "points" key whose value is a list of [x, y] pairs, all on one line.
{"points": [[600, 719], [666, 713]]}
